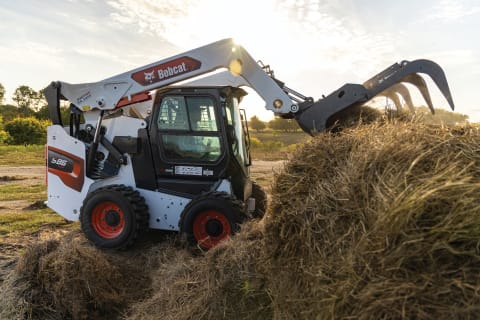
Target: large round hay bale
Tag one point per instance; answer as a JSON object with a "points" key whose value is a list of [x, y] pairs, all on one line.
{"points": [[378, 222]]}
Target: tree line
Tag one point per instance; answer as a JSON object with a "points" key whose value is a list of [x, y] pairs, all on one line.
{"points": [[277, 124], [26, 120]]}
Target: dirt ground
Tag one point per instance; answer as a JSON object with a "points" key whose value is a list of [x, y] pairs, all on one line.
{"points": [[32, 175], [12, 246]]}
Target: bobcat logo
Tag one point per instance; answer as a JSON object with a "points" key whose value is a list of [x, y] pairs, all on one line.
{"points": [[149, 76]]}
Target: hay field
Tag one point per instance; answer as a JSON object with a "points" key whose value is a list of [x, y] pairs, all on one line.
{"points": [[381, 221]]}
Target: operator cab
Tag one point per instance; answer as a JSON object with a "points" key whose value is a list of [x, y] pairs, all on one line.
{"points": [[199, 138]]}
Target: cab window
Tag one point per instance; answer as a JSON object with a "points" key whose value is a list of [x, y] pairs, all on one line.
{"points": [[188, 129]]}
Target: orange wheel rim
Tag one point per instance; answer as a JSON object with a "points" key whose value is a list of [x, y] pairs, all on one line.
{"points": [[210, 227], [108, 220]]}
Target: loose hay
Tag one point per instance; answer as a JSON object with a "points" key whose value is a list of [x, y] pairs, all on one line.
{"points": [[69, 278], [225, 283], [355, 116]]}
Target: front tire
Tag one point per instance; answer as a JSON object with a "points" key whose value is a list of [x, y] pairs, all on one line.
{"points": [[114, 217], [211, 218]]}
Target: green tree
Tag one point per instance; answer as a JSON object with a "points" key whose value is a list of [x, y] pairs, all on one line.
{"points": [[2, 93], [9, 112], [257, 124], [42, 113], [26, 131], [27, 100], [285, 125], [4, 136]]}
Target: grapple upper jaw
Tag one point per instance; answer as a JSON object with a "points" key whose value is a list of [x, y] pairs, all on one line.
{"points": [[319, 115]]}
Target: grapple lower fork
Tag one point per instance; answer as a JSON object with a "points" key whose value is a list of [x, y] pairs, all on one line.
{"points": [[317, 116]]}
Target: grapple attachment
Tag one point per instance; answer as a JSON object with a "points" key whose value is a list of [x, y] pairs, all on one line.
{"points": [[319, 115]]}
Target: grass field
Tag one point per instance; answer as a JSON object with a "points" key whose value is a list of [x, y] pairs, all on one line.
{"points": [[29, 214], [21, 202], [272, 145], [287, 138], [22, 155], [22, 192], [28, 221]]}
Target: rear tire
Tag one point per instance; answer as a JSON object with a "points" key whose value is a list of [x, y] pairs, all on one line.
{"points": [[114, 217], [211, 218], [260, 201]]}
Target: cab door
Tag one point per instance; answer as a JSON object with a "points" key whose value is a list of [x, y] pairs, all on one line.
{"points": [[190, 155]]}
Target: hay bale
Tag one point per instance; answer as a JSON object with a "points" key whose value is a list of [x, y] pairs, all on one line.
{"points": [[69, 278], [227, 282], [379, 222]]}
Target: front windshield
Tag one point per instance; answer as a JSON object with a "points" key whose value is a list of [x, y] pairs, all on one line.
{"points": [[188, 129]]}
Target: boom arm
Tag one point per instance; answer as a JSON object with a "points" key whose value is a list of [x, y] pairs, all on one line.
{"points": [[106, 94]]}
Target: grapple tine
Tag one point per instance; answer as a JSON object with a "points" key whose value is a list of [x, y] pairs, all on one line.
{"points": [[392, 95], [319, 115], [421, 85], [402, 90]]}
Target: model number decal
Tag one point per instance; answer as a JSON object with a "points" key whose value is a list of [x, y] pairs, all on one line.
{"points": [[188, 171], [59, 162], [83, 97]]}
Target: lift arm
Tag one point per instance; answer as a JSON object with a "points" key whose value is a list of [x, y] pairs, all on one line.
{"points": [[106, 94]]}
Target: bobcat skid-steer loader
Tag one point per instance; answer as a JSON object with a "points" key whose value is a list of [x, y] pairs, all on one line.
{"points": [[157, 148]]}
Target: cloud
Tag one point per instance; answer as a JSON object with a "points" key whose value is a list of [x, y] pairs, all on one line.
{"points": [[149, 16], [453, 11], [309, 31]]}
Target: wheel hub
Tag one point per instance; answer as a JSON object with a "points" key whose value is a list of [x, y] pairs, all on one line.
{"points": [[214, 228], [210, 227], [108, 219], [112, 218]]}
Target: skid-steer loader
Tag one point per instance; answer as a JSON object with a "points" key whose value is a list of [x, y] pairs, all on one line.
{"points": [[166, 146]]}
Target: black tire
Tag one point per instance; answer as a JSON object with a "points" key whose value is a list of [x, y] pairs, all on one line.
{"points": [[211, 218], [260, 201], [114, 217]]}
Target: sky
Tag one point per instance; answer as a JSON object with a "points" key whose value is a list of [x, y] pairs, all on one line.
{"points": [[314, 46]]}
